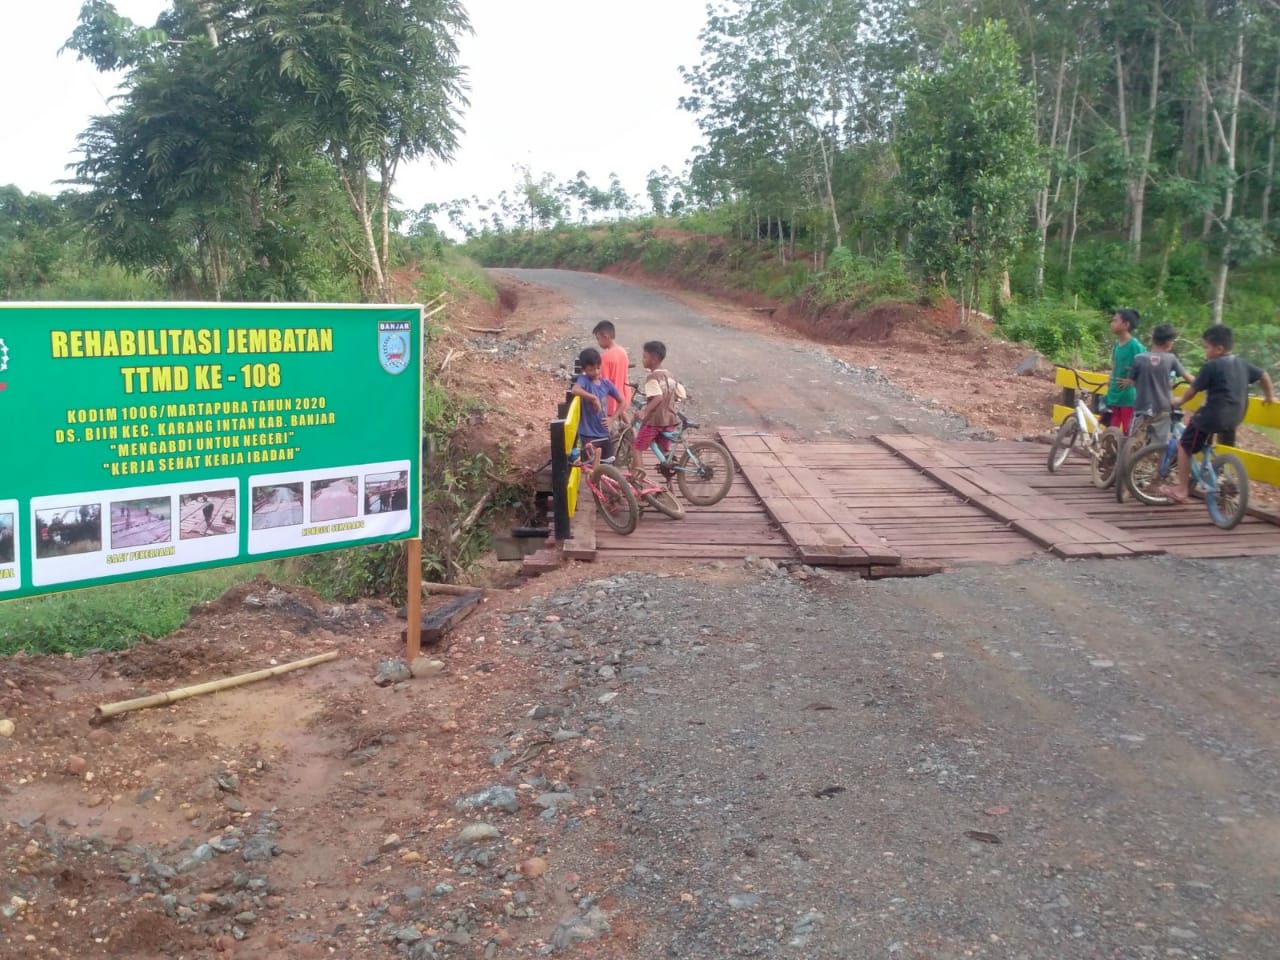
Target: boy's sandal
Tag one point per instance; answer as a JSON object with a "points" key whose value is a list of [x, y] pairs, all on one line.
{"points": [[1175, 496]]}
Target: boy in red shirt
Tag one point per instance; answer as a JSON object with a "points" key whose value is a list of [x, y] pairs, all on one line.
{"points": [[613, 363]]}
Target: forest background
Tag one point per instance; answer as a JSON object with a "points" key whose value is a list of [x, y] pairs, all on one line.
{"points": [[1042, 162]]}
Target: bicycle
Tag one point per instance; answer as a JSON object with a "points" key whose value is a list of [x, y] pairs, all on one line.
{"points": [[653, 494], [703, 469], [1083, 429], [1220, 477], [611, 490], [1146, 430]]}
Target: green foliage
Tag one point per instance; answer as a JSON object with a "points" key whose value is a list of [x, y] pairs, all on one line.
{"points": [[115, 616], [454, 480], [1105, 276], [1063, 335], [790, 284], [97, 282], [968, 157], [862, 281], [658, 256]]}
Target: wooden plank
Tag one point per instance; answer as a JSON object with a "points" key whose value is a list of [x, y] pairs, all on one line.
{"points": [[781, 551], [813, 521], [1048, 521], [436, 623], [879, 572], [1209, 550], [581, 544], [541, 561]]}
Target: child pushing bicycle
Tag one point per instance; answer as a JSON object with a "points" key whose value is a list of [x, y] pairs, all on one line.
{"points": [[660, 391], [1152, 376], [1225, 380], [595, 391]]}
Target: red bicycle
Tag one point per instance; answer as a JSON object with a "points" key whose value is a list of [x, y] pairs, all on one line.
{"points": [[611, 489]]}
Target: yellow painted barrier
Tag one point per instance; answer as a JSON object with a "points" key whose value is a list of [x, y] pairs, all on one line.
{"points": [[1263, 468], [571, 421], [565, 476]]}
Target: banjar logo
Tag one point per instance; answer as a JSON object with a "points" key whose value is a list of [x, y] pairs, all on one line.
{"points": [[393, 346], [4, 363]]}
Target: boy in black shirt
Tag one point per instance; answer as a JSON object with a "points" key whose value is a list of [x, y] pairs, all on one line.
{"points": [[1225, 380]]}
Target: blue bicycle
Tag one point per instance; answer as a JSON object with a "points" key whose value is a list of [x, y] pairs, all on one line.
{"points": [[703, 469], [1219, 477]]}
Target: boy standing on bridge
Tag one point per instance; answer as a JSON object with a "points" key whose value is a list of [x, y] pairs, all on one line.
{"points": [[1152, 377], [1225, 380], [1121, 398], [594, 390], [614, 364], [661, 392]]}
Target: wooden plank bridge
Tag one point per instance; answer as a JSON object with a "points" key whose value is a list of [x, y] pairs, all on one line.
{"points": [[904, 505]]}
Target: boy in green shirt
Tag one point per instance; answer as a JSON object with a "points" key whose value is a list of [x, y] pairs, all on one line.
{"points": [[1121, 393]]}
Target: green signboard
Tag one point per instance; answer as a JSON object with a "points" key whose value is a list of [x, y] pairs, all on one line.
{"points": [[143, 439]]}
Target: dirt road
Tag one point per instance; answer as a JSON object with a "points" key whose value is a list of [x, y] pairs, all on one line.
{"points": [[738, 377], [1051, 760], [1046, 760]]}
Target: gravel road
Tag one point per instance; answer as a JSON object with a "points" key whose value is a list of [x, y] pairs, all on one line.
{"points": [[739, 378], [1046, 760], [999, 762]]}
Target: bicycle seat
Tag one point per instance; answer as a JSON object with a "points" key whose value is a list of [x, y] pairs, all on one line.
{"points": [[688, 424], [1177, 414]]}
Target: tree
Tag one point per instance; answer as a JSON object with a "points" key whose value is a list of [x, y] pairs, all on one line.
{"points": [[369, 84], [968, 157], [777, 95], [227, 104]]}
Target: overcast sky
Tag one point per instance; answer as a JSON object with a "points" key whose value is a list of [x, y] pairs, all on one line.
{"points": [[560, 85]]}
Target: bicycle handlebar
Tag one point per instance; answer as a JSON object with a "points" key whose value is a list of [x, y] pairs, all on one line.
{"points": [[1081, 381]]}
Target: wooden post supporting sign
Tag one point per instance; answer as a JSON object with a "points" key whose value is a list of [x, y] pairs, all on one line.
{"points": [[413, 629]]}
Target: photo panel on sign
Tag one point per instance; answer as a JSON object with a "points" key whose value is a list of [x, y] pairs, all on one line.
{"points": [[335, 498], [386, 492], [141, 522], [284, 520], [210, 513], [10, 548], [112, 533]]}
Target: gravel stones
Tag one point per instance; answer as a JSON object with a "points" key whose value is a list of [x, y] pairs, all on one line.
{"points": [[391, 671], [580, 926], [478, 833], [425, 667], [498, 796]]}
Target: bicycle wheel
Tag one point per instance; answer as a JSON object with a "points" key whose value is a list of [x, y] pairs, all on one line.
{"points": [[1143, 475], [1068, 436], [1105, 459], [1229, 500], [616, 499], [665, 503], [623, 449], [705, 473], [1127, 452]]}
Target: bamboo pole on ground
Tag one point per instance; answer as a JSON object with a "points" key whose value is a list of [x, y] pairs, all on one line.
{"points": [[106, 710]]}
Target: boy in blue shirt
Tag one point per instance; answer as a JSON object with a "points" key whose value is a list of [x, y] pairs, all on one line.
{"points": [[594, 391]]}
